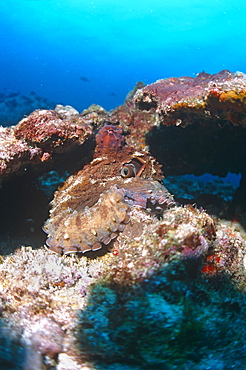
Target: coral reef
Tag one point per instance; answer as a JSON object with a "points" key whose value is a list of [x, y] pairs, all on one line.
{"points": [[134, 122], [83, 217], [37, 137], [46, 129], [177, 277], [162, 285], [187, 127], [178, 101], [199, 124], [14, 153], [183, 233], [164, 325], [157, 300], [14, 106], [190, 187], [215, 195], [40, 293]]}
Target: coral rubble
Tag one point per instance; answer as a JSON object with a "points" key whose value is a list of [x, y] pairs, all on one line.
{"points": [[40, 293], [180, 275]]}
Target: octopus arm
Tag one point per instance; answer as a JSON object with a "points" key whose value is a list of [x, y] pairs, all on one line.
{"points": [[91, 228], [147, 193]]}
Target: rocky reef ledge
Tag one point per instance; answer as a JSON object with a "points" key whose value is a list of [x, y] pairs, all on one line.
{"points": [[167, 288]]}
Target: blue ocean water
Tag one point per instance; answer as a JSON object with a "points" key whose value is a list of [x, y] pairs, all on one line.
{"points": [[206, 177], [81, 52]]}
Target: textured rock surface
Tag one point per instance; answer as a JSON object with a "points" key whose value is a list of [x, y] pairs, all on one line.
{"points": [[14, 152], [37, 137], [178, 101], [201, 124], [46, 129], [135, 123]]}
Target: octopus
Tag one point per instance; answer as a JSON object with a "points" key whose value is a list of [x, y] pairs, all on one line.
{"points": [[94, 205]]}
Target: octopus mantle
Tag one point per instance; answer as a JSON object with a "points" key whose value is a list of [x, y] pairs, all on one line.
{"points": [[94, 205]]}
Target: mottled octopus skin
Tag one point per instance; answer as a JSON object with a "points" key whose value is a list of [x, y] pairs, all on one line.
{"points": [[84, 231], [93, 206]]}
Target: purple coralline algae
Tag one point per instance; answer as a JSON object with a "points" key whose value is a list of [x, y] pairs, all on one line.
{"points": [[37, 137], [46, 129], [178, 101]]}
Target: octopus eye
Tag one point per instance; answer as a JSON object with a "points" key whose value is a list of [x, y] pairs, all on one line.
{"points": [[129, 170]]}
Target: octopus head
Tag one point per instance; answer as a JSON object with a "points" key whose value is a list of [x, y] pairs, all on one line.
{"points": [[110, 137]]}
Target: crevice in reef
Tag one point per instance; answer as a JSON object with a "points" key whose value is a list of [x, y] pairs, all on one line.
{"points": [[147, 103], [25, 197], [204, 148], [199, 148], [24, 208], [215, 194]]}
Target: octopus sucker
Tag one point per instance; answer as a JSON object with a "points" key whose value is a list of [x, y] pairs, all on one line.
{"points": [[113, 226], [96, 246], [106, 240], [56, 249], [72, 249], [121, 227], [93, 206]]}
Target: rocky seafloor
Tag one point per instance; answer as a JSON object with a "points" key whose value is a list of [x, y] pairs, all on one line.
{"points": [[15, 105], [165, 287]]}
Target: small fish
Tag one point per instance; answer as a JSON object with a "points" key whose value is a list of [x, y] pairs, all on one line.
{"points": [[84, 79]]}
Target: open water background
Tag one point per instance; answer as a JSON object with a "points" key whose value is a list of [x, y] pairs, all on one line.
{"points": [[80, 52]]}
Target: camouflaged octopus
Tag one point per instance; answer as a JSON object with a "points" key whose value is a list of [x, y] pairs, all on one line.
{"points": [[94, 205]]}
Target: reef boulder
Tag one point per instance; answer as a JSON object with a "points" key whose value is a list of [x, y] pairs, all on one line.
{"points": [[178, 101]]}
